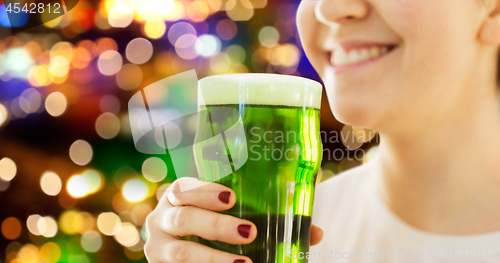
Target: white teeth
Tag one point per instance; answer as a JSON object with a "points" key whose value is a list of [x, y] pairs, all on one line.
{"points": [[339, 57], [365, 54], [375, 52], [353, 56]]}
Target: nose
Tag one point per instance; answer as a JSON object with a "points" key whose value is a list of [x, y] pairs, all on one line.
{"points": [[332, 12]]}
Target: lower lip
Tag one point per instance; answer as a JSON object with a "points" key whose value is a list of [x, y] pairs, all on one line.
{"points": [[353, 67]]}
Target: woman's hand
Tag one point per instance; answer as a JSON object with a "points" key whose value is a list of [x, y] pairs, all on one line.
{"points": [[188, 213]]}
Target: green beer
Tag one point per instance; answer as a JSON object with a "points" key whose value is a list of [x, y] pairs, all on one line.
{"points": [[268, 152]]}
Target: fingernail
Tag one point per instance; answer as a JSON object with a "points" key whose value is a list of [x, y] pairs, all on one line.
{"points": [[239, 261], [224, 197], [244, 230]]}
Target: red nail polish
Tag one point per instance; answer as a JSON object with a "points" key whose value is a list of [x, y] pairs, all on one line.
{"points": [[244, 230], [239, 261], [224, 197]]}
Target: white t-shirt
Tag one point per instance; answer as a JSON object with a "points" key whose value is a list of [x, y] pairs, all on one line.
{"points": [[358, 226]]}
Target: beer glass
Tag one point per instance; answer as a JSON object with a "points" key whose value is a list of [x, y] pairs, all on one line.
{"points": [[269, 152]]}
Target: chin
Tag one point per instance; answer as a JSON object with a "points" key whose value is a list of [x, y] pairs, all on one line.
{"points": [[352, 111], [354, 102]]}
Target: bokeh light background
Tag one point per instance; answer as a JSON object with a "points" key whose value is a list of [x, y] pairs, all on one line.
{"points": [[72, 186]]}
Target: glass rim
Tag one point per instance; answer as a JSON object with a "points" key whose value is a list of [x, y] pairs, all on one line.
{"points": [[234, 76], [260, 89]]}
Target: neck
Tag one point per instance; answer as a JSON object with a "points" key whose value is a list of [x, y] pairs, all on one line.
{"points": [[444, 178]]}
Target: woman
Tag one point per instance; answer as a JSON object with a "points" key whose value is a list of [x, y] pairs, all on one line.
{"points": [[423, 73]]}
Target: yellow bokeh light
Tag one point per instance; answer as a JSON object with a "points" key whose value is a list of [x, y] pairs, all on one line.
{"points": [[109, 223], [50, 252], [269, 36], [135, 252], [52, 23], [121, 15], [215, 5], [363, 134], [236, 53], [80, 152], [154, 169], [220, 63], [121, 205], [59, 22], [88, 222], [144, 10], [59, 66], [128, 235], [49, 226], [371, 155], [102, 21], [239, 10], [286, 55], [40, 76], [71, 222], [91, 241], [135, 190], [4, 115], [198, 11], [8, 169], [163, 7], [259, 3], [59, 80], [51, 183], [348, 139], [94, 179], [56, 104], [154, 28], [238, 68], [108, 5], [78, 186], [29, 254], [139, 213], [177, 13], [64, 49]]}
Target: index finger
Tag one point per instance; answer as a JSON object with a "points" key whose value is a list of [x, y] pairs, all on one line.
{"points": [[210, 196]]}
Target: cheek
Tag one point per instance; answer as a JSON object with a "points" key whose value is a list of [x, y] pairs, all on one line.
{"points": [[309, 29], [442, 21], [433, 32], [415, 19]]}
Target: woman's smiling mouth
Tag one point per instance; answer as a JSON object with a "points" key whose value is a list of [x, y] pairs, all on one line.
{"points": [[353, 54]]}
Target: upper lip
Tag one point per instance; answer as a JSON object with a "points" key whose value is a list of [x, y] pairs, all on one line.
{"points": [[346, 46]]}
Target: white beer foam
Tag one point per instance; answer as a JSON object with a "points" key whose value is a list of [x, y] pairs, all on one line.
{"points": [[260, 89]]}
